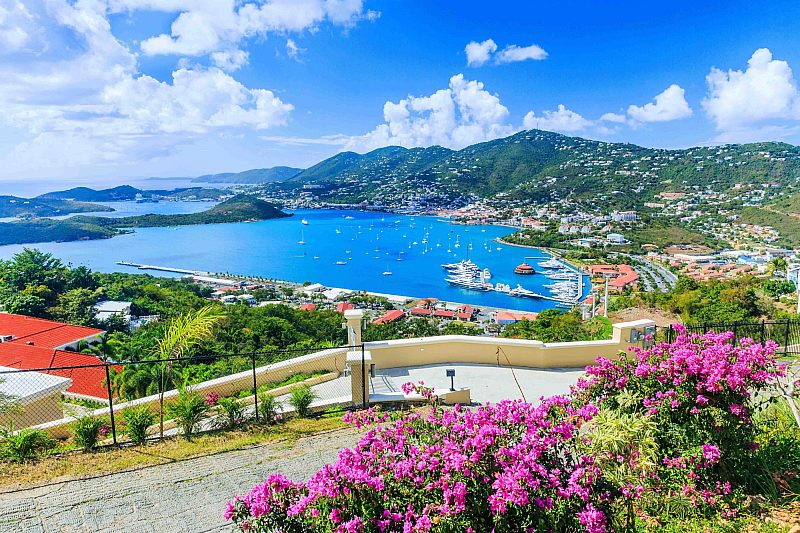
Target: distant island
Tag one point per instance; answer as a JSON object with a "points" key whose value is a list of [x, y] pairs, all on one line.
{"points": [[252, 177], [127, 193], [240, 208], [13, 206]]}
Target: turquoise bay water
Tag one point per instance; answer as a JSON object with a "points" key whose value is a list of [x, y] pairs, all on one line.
{"points": [[368, 243]]}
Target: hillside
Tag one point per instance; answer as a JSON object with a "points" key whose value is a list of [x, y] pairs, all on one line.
{"points": [[534, 165], [254, 176], [13, 206], [48, 230], [85, 194], [240, 208], [783, 215]]}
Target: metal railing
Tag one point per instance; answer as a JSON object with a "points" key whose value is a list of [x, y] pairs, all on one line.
{"points": [[786, 333], [49, 396]]}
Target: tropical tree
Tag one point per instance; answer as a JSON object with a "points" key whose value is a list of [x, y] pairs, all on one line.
{"points": [[778, 265], [181, 334]]}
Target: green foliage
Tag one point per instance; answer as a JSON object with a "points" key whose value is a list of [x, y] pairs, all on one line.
{"points": [[233, 412], [12, 206], [268, 408], [555, 325], [461, 328], [24, 445], [187, 411], [86, 431], [778, 287], [301, 398], [137, 419]]}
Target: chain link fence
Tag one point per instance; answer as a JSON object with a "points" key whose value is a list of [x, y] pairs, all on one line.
{"points": [[221, 390]]}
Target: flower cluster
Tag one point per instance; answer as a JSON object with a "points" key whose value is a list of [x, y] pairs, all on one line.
{"points": [[212, 399], [684, 409]]}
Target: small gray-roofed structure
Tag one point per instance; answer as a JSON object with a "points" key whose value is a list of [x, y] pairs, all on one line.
{"points": [[37, 395], [108, 308]]}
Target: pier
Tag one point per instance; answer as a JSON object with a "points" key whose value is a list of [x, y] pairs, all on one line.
{"points": [[163, 268]]}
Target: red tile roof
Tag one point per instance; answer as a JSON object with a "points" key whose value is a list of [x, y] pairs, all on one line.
{"points": [[441, 313], [34, 346], [341, 307], [465, 312], [421, 311], [308, 307], [508, 316], [85, 381], [43, 332], [389, 316]]}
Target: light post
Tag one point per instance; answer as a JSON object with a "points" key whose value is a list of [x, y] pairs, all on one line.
{"points": [[605, 298], [451, 373]]}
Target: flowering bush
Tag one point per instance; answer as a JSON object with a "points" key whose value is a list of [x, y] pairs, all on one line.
{"points": [[636, 437], [695, 397]]}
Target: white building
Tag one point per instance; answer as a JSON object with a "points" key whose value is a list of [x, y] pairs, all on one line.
{"points": [[616, 238], [109, 308]]}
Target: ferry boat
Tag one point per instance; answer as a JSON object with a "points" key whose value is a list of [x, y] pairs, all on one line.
{"points": [[524, 269], [387, 273]]}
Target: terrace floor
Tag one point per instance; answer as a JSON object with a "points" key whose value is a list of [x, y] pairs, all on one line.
{"points": [[184, 496]]}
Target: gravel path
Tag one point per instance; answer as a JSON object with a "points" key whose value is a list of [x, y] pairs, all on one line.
{"points": [[185, 496]]}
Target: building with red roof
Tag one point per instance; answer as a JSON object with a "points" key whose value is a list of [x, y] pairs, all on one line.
{"points": [[389, 316], [465, 312], [341, 307], [508, 317], [443, 313], [308, 307], [35, 343], [421, 311], [620, 276]]}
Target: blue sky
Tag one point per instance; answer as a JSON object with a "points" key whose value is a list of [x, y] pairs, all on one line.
{"points": [[117, 88]]}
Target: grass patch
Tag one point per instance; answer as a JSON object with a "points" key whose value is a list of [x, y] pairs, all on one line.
{"points": [[72, 465], [294, 378]]}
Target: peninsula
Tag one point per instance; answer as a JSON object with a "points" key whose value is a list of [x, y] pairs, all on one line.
{"points": [[240, 208]]}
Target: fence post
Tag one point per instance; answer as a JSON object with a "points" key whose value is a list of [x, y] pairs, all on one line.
{"points": [[255, 385], [763, 331], [735, 334], [786, 341], [365, 401], [111, 404]]}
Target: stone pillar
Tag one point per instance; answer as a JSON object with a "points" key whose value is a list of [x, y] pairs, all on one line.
{"points": [[353, 319], [359, 376]]}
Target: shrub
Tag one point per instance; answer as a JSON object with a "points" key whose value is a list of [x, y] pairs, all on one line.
{"points": [[268, 408], [638, 443], [137, 420], [87, 431], [188, 411], [301, 398], [25, 444], [503, 467], [232, 412]]}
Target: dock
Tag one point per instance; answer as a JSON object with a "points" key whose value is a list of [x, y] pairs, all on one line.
{"points": [[163, 268]]}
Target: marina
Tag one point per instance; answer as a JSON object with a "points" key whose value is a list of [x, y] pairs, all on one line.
{"points": [[367, 251]]}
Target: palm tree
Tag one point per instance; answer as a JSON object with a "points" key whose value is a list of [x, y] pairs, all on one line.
{"points": [[181, 334], [779, 264]]}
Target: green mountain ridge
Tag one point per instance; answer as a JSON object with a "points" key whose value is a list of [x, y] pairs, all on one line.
{"points": [[531, 165], [241, 208], [253, 176]]}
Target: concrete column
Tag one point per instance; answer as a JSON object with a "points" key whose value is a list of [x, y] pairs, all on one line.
{"points": [[622, 331], [353, 319], [359, 376]]}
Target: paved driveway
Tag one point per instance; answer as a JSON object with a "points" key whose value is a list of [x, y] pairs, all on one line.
{"points": [[185, 496]]}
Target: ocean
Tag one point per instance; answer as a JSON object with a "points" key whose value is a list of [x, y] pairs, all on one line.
{"points": [[345, 249]]}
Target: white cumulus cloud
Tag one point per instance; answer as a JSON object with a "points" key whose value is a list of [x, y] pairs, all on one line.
{"points": [[205, 26], [230, 60], [462, 114], [480, 53], [561, 120], [741, 103], [514, 53], [669, 105], [90, 104]]}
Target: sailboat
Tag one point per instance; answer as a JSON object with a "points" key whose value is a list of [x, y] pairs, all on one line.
{"points": [[304, 222], [302, 238], [338, 231], [457, 244]]}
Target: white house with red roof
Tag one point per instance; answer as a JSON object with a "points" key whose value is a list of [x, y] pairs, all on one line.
{"points": [[48, 346]]}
